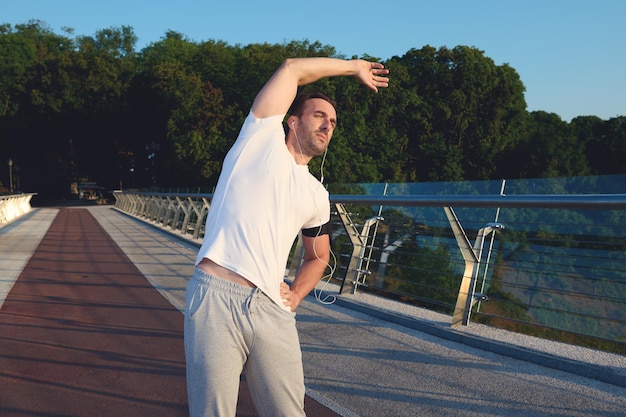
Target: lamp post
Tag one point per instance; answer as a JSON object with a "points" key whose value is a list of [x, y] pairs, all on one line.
{"points": [[152, 148], [10, 175]]}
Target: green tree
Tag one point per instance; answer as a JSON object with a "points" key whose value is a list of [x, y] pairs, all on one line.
{"points": [[195, 124], [34, 94], [104, 67], [18, 52], [357, 151], [90, 106], [605, 143], [550, 149], [459, 112]]}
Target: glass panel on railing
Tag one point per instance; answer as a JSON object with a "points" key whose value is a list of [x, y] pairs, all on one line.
{"points": [[555, 268]]}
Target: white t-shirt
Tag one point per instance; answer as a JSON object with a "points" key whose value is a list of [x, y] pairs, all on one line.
{"points": [[262, 200]]}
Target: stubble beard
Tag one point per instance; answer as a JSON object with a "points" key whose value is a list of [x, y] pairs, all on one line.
{"points": [[313, 145]]}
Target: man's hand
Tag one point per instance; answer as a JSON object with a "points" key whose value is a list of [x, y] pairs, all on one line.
{"points": [[371, 74], [290, 298]]}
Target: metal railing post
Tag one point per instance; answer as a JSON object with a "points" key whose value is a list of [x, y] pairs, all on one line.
{"points": [[467, 296], [358, 261]]}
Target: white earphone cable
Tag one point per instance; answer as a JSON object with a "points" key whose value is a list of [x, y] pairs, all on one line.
{"points": [[318, 292]]}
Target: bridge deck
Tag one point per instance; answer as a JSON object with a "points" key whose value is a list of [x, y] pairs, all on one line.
{"points": [[92, 326]]}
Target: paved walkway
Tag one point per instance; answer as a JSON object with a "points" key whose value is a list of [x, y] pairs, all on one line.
{"points": [[82, 333]]}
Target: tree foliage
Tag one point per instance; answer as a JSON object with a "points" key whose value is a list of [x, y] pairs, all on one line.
{"points": [[94, 108]]}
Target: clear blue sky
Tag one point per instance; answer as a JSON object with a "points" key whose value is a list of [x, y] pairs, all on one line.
{"points": [[570, 54]]}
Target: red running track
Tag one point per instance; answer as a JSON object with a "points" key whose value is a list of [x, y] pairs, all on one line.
{"points": [[83, 333]]}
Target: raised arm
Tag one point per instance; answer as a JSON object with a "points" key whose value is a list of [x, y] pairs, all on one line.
{"points": [[280, 90]]}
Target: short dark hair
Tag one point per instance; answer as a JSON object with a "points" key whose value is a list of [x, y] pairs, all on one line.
{"points": [[297, 107]]}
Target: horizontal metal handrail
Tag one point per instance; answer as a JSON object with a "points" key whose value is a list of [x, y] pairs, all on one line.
{"points": [[554, 201]]}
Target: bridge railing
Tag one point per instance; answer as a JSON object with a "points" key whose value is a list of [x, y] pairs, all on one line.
{"points": [[14, 206], [550, 265]]}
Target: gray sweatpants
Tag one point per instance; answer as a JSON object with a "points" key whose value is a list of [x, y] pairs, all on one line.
{"points": [[230, 329]]}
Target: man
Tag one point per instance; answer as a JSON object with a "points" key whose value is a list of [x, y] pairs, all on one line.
{"points": [[239, 314]]}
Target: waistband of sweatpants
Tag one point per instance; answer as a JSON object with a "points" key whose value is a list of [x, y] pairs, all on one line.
{"points": [[225, 285]]}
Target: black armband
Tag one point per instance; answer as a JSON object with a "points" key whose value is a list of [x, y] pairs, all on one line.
{"points": [[317, 230]]}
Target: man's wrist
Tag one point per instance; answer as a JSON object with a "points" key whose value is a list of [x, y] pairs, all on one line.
{"points": [[297, 293]]}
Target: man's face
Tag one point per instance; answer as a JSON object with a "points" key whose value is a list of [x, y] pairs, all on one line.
{"points": [[315, 127]]}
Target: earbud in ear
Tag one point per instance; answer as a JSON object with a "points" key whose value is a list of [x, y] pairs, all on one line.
{"points": [[293, 124]]}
